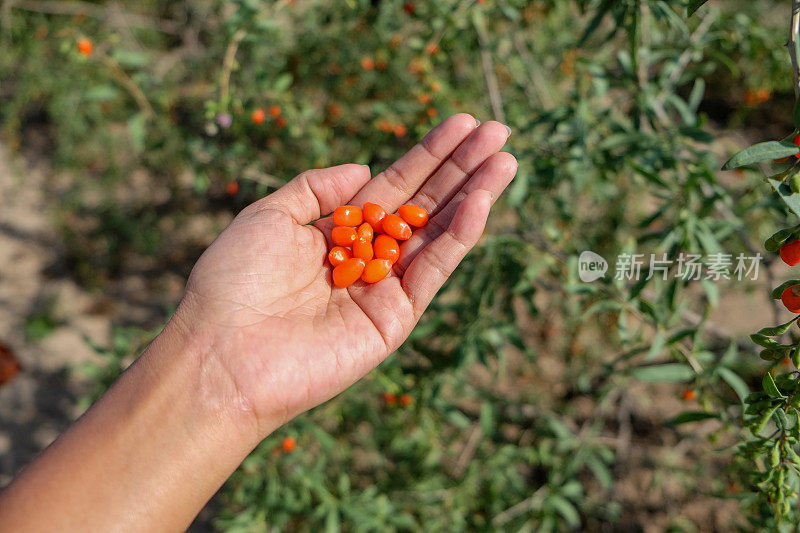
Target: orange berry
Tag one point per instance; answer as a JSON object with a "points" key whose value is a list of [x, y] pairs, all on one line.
{"points": [[288, 444], [275, 111], [85, 46], [362, 249], [348, 215], [376, 270], [415, 216], [436, 86], [281, 123], [396, 227], [409, 8], [348, 272], [386, 247], [425, 98], [762, 95], [790, 252], [406, 400], [400, 130], [432, 49], [373, 213], [381, 64], [258, 116], [232, 188], [432, 112], [367, 63], [343, 236], [365, 232], [334, 110], [689, 394], [389, 398], [338, 255]]}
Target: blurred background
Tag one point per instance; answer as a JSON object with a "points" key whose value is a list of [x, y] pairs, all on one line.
{"points": [[132, 133]]}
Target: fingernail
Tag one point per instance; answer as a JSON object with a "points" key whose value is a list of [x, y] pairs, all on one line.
{"points": [[508, 130], [477, 122]]}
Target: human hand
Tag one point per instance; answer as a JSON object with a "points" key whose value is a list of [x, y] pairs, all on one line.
{"points": [[260, 304]]}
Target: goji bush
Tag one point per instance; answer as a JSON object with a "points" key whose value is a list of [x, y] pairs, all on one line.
{"points": [[517, 401]]}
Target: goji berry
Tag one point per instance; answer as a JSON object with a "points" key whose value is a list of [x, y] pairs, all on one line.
{"points": [[281, 123], [386, 247], [258, 116], [85, 46], [432, 49], [275, 111], [791, 298], [348, 215], [365, 232], [432, 112], [414, 215], [689, 394], [409, 8], [389, 398], [373, 213], [288, 444], [343, 236], [348, 272], [376, 270], [362, 249], [400, 130], [232, 188], [396, 227], [338, 255], [790, 252], [406, 400], [367, 63]]}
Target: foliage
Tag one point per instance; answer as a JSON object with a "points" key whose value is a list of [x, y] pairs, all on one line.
{"points": [[614, 107]]}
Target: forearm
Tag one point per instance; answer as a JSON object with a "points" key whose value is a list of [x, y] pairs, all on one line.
{"points": [[148, 455]]}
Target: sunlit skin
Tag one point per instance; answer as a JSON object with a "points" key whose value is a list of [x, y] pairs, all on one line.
{"points": [[260, 336]]}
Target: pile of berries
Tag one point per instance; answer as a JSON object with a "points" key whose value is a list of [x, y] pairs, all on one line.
{"points": [[366, 240]]}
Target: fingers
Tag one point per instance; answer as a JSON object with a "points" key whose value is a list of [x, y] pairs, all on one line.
{"points": [[486, 140], [316, 193], [394, 186], [428, 271], [493, 176]]}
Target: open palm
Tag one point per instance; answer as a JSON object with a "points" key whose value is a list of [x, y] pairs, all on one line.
{"points": [[262, 293]]}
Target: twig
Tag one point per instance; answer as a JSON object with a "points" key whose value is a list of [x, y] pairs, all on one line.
{"points": [[686, 56], [97, 11], [227, 67], [469, 451], [518, 508], [488, 72], [128, 84]]}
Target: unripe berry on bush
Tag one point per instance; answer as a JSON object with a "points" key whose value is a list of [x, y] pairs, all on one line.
{"points": [[790, 252], [791, 298]]}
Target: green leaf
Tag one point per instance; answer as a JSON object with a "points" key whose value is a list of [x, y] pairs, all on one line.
{"points": [[761, 152], [693, 6], [657, 346], [736, 383], [137, 130], [691, 416], [769, 386], [790, 198], [563, 507], [669, 373], [776, 330]]}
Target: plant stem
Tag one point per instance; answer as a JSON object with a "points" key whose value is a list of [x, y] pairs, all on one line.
{"points": [[794, 46]]}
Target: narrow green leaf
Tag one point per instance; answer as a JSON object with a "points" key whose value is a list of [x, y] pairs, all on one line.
{"points": [[777, 330], [669, 373], [693, 6], [736, 383], [563, 507], [656, 347], [769, 386], [691, 416], [789, 197], [761, 152]]}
